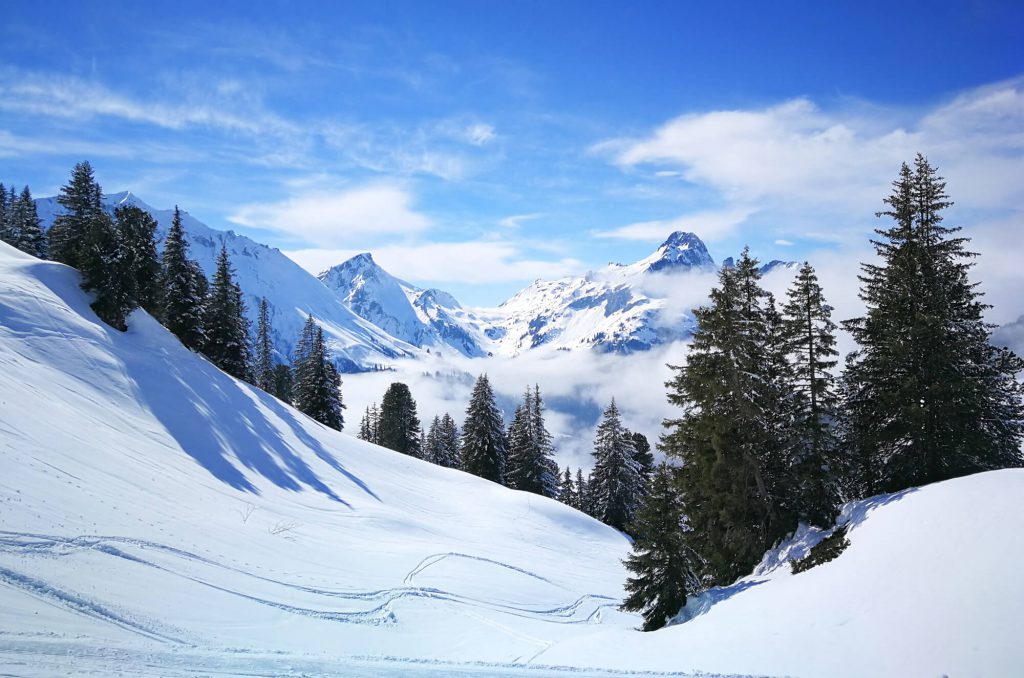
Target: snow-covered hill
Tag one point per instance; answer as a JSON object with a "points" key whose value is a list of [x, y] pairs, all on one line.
{"points": [[158, 517], [423, 318], [291, 292]]}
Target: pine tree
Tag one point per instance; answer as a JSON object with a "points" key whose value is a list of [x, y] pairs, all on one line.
{"points": [[927, 397], [19, 222], [263, 359], [447, 453], [810, 344], [530, 464], [567, 490], [283, 383], [184, 288], [484, 445], [368, 426], [666, 569], [583, 500], [644, 458], [399, 424], [520, 468], [102, 259], [615, 484], [227, 328], [82, 200], [137, 234], [727, 434], [316, 391]]}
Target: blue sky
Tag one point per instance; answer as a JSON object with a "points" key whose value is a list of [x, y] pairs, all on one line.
{"points": [[476, 146]]}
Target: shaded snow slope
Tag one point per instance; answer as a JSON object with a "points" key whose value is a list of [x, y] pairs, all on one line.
{"points": [[151, 503], [292, 293], [929, 586]]}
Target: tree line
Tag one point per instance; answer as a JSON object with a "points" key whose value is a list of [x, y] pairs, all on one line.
{"points": [[520, 456], [769, 437], [116, 255]]}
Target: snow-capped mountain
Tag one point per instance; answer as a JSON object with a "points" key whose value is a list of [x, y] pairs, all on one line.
{"points": [[621, 308], [292, 293], [425, 318]]}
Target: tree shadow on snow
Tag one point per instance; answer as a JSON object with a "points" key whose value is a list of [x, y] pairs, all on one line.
{"points": [[212, 418]]}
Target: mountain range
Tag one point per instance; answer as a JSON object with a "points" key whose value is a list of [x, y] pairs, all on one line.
{"points": [[371, 317]]}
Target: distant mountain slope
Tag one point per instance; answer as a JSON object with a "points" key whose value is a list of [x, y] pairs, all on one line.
{"points": [[291, 292], [423, 318]]}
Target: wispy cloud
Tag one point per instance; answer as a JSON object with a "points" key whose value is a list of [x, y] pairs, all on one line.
{"points": [[710, 226], [328, 218], [796, 151], [517, 220]]}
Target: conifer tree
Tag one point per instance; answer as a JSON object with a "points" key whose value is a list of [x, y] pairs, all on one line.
{"points": [[927, 397], [225, 323], [19, 222], [665, 568], [431, 445], [263, 359], [447, 452], [810, 344], [567, 489], [530, 464], [727, 434], [615, 484], [399, 424], [103, 262], [484, 445], [316, 391], [184, 288], [82, 200], [137, 237], [644, 458], [283, 383], [583, 502]]}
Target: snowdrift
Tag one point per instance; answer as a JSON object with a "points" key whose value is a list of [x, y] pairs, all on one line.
{"points": [[159, 517]]}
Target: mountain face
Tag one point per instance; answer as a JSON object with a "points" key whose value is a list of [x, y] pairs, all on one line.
{"points": [[292, 294], [423, 318]]}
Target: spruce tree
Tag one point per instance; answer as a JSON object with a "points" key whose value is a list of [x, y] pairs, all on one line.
{"points": [[447, 453], [369, 426], [484, 445], [225, 323], [666, 569], [184, 288], [137, 234], [19, 222], [399, 427], [5, 233], [644, 458], [530, 464], [102, 259], [82, 200], [927, 397], [263, 358], [810, 345], [567, 489], [283, 383], [615, 484], [583, 502], [316, 390], [727, 435]]}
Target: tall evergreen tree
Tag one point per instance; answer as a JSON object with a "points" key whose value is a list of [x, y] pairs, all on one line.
{"points": [[615, 484], [644, 458], [369, 426], [137, 235], [227, 328], [666, 569], [447, 452], [82, 200], [484, 445], [727, 434], [531, 466], [399, 424], [263, 359], [810, 344], [102, 259], [316, 390], [283, 383], [184, 288], [567, 489], [19, 222], [583, 498], [928, 397]]}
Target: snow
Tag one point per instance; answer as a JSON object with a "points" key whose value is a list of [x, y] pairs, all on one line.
{"points": [[158, 517]]}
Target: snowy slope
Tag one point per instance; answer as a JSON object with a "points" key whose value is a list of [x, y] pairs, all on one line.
{"points": [[422, 318], [153, 503], [929, 586], [291, 292]]}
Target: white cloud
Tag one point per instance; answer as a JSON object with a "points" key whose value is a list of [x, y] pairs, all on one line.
{"points": [[709, 226], [481, 261], [784, 243], [328, 218], [796, 152], [516, 220], [479, 134]]}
